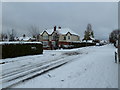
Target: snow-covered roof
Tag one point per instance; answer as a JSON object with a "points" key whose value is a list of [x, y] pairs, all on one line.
{"points": [[92, 38], [23, 38], [61, 31], [89, 41], [49, 31], [66, 30]]}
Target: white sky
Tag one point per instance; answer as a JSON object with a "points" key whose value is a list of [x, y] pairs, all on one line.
{"points": [[102, 15], [60, 0]]}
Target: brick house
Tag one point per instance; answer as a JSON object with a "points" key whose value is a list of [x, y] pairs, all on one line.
{"points": [[58, 37]]}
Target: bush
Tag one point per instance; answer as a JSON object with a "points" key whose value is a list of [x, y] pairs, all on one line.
{"points": [[83, 44], [78, 45], [19, 49]]}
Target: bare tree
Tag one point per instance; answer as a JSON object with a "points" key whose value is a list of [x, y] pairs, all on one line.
{"points": [[34, 31], [4, 36], [12, 35], [114, 36]]}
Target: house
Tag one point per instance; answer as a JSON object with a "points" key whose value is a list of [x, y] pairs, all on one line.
{"points": [[89, 40], [89, 35], [58, 37]]}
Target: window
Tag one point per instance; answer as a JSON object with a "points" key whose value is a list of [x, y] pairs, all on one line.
{"points": [[53, 37], [68, 37], [45, 37], [64, 37], [45, 43], [53, 43]]}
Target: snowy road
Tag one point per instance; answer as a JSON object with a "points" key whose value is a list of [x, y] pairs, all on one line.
{"points": [[91, 67], [16, 70]]}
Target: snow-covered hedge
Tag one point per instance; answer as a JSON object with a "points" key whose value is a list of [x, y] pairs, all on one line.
{"points": [[16, 49]]}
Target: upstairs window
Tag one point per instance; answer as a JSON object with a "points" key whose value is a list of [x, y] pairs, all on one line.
{"points": [[53, 37], [64, 38], [68, 37], [45, 37]]}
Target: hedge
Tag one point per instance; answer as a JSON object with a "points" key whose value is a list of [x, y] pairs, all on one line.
{"points": [[83, 44], [21, 49], [78, 45]]}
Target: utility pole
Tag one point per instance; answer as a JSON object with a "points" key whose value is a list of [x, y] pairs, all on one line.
{"points": [[12, 35], [119, 48]]}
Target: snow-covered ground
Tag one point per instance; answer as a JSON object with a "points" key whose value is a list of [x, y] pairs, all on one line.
{"points": [[88, 67]]}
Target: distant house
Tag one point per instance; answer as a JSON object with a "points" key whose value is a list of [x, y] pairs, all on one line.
{"points": [[90, 40], [58, 37], [88, 34]]}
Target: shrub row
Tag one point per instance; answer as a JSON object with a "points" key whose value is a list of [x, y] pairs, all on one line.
{"points": [[78, 45], [83, 44], [16, 50]]}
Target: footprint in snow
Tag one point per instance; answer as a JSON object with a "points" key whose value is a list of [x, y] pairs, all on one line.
{"points": [[49, 75], [62, 80]]}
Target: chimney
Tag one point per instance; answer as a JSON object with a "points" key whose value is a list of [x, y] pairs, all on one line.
{"points": [[24, 35], [59, 27], [54, 28]]}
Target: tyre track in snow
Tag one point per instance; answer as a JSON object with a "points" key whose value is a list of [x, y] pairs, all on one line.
{"points": [[25, 68], [11, 78], [12, 75], [15, 69]]}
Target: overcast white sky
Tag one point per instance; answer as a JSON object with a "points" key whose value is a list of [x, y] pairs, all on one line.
{"points": [[75, 15]]}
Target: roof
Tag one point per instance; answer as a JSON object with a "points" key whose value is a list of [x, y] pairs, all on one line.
{"points": [[24, 38], [92, 38], [88, 41], [61, 31]]}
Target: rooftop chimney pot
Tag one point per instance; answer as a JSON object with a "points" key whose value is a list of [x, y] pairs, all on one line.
{"points": [[54, 28]]}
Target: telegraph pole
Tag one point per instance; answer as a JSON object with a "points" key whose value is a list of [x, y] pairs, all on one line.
{"points": [[119, 48]]}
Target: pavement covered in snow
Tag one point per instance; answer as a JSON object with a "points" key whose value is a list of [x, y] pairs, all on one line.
{"points": [[88, 67]]}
